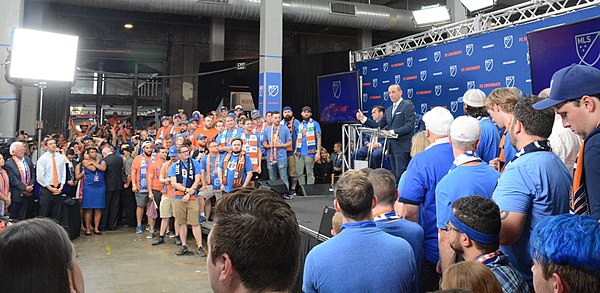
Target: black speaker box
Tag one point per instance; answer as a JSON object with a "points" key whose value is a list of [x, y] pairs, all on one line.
{"points": [[275, 185], [316, 189]]}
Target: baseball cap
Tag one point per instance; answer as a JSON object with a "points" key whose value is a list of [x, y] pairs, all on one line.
{"points": [[200, 136], [473, 98], [183, 122], [177, 116], [232, 115], [438, 120], [466, 129], [126, 147], [255, 115], [287, 108], [173, 151], [145, 143], [223, 108], [571, 83], [196, 114], [163, 118], [193, 119], [306, 108], [238, 107]]}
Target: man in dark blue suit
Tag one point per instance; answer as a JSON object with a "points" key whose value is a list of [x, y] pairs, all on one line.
{"points": [[21, 179], [399, 119]]}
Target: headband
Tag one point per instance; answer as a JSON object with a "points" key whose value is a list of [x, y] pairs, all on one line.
{"points": [[472, 233]]}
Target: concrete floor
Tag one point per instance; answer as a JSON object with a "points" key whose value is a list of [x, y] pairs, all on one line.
{"points": [[122, 261]]}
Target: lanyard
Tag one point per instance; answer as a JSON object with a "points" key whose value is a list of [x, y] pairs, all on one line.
{"points": [[488, 258]]}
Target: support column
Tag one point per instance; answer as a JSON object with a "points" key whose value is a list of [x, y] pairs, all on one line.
{"points": [[216, 46], [271, 37], [364, 39], [11, 16], [457, 11]]}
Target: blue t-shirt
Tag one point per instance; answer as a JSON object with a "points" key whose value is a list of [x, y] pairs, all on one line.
{"points": [[304, 147], [184, 170], [284, 137], [537, 185], [230, 172], [293, 135], [214, 165], [489, 141], [360, 259], [424, 171], [413, 234], [226, 136]]}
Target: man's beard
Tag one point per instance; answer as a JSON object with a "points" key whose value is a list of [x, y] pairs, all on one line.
{"points": [[148, 154], [236, 153], [287, 118], [306, 119]]}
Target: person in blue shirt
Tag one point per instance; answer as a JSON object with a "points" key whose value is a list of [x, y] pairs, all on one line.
{"points": [[226, 136], [386, 219], [470, 176], [235, 168], [417, 193], [308, 143], [211, 185], [501, 105], [276, 139], [534, 185], [361, 258], [474, 106], [292, 125]]}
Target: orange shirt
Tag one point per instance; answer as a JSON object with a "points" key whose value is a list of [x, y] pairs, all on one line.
{"points": [[135, 168], [154, 173], [210, 134], [164, 171]]}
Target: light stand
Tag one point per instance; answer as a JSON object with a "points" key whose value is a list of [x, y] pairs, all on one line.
{"points": [[39, 124]]}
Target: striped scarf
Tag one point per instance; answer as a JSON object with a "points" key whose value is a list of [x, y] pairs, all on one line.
{"points": [[579, 204], [307, 131], [23, 170], [239, 169], [251, 147], [274, 140]]}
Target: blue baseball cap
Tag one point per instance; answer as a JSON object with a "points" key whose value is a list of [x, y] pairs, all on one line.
{"points": [[163, 118], [177, 116], [200, 136], [286, 108], [193, 119], [173, 151], [571, 83], [196, 114]]}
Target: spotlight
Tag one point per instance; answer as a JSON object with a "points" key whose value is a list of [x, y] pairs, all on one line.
{"points": [[478, 5], [431, 15], [128, 26]]}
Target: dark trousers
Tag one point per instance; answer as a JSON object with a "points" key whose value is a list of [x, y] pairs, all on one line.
{"points": [[51, 205], [129, 206], [18, 210], [399, 163], [429, 280], [110, 214]]}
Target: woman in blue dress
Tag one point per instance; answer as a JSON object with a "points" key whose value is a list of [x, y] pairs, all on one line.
{"points": [[93, 189]]}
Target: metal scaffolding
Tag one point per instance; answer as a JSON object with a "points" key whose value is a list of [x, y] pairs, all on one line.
{"points": [[481, 23]]}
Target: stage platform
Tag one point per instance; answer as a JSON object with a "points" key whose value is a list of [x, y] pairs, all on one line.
{"points": [[309, 210]]}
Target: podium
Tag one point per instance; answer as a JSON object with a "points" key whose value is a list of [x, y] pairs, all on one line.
{"points": [[373, 133]]}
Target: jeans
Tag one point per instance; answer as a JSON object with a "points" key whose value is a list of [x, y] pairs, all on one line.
{"points": [[307, 176], [280, 168]]}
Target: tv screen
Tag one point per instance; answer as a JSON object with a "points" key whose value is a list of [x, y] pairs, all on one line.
{"points": [[338, 97]]}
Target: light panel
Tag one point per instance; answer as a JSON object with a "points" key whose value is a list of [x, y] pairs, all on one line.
{"points": [[477, 5], [430, 16]]}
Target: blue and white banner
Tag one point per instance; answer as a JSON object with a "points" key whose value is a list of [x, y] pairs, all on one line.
{"points": [[269, 92]]}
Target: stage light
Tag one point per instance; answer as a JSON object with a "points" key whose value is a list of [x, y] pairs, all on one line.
{"points": [[38, 56], [478, 5], [128, 26], [430, 15]]}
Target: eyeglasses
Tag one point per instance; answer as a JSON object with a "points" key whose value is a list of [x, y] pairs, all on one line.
{"points": [[183, 152], [450, 227]]}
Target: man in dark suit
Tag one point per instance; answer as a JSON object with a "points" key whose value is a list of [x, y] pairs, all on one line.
{"points": [[399, 119], [114, 184], [21, 179]]}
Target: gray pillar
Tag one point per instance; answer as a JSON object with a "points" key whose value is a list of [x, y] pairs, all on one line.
{"points": [[457, 11], [271, 37], [11, 16], [364, 39], [216, 46]]}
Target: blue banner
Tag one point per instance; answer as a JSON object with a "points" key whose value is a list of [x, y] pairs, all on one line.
{"points": [[269, 92]]}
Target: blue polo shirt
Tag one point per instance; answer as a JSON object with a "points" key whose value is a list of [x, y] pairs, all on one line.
{"points": [[462, 181], [304, 147], [284, 137], [230, 170], [184, 168], [509, 150], [424, 172], [537, 185], [489, 141]]}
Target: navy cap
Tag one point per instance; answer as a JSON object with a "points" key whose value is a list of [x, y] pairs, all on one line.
{"points": [[196, 114], [163, 118], [193, 119], [571, 83], [173, 151], [286, 108]]}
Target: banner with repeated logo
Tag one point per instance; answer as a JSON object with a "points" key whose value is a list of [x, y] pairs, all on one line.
{"points": [[269, 91], [439, 75]]}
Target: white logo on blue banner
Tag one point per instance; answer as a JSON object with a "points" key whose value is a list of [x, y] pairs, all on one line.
{"points": [[260, 90], [489, 64], [337, 88], [470, 84], [273, 90], [385, 66], [437, 56], [364, 70], [397, 78], [386, 95], [423, 75], [508, 41], [528, 60], [453, 106], [409, 61], [469, 49], [409, 93], [374, 83], [510, 81], [423, 108], [438, 90], [365, 97], [586, 51], [453, 70]]}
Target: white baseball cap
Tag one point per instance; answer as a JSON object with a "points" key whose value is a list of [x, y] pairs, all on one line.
{"points": [[465, 129], [473, 98], [438, 120]]}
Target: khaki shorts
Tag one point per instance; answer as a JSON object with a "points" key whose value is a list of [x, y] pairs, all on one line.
{"points": [[292, 166], [166, 207], [186, 212], [209, 193]]}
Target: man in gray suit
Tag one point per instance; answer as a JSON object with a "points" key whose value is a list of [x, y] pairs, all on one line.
{"points": [[399, 119], [21, 179]]}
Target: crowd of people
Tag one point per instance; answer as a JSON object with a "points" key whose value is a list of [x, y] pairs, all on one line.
{"points": [[483, 202]]}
